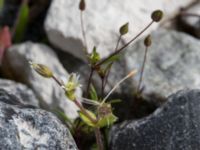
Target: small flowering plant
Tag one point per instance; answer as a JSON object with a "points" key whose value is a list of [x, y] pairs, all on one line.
{"points": [[103, 115]]}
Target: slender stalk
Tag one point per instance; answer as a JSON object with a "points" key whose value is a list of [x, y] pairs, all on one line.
{"points": [[89, 81], [123, 47], [142, 71], [102, 86], [83, 33], [118, 41], [58, 82], [99, 139], [132, 73]]}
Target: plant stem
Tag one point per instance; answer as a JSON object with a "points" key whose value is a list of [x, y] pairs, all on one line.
{"points": [[123, 47], [83, 33], [99, 139], [102, 86], [89, 81], [58, 82], [142, 71]]}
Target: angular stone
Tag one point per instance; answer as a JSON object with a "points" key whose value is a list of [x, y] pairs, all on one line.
{"points": [[171, 64], [25, 127], [102, 21], [22, 92], [174, 126], [51, 96]]}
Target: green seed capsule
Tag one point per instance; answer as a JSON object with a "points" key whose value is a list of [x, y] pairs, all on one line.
{"points": [[147, 41], [157, 15]]}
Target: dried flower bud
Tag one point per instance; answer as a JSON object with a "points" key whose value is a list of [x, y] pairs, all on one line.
{"points": [[157, 15], [147, 41], [124, 29], [82, 5], [42, 70]]}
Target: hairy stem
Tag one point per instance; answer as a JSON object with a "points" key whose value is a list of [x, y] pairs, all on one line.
{"points": [[127, 44], [99, 139], [142, 71]]}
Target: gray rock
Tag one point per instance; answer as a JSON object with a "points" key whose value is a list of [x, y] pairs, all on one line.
{"points": [[47, 91], [22, 92], [171, 64], [102, 21], [28, 128], [174, 126], [190, 20]]}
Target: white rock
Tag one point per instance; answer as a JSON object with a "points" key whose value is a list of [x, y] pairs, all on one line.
{"points": [[102, 21], [48, 92]]}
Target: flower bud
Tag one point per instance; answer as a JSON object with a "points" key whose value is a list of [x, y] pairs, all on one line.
{"points": [[157, 15], [42, 70]]}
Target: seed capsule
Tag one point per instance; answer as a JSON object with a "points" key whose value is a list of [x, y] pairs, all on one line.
{"points": [[157, 15]]}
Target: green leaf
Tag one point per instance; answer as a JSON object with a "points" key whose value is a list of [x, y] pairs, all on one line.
{"points": [[22, 22], [113, 58], [107, 120], [113, 101], [124, 29], [1, 4], [93, 93], [86, 119]]}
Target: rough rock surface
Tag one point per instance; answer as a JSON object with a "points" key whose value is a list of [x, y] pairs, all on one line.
{"points": [[190, 20], [28, 128], [22, 92], [47, 91], [102, 21], [174, 126], [171, 65]]}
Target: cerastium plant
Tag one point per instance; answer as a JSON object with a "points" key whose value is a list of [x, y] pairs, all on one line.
{"points": [[102, 116]]}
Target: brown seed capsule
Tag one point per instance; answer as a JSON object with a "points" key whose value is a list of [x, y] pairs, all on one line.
{"points": [[147, 41], [157, 15], [82, 5]]}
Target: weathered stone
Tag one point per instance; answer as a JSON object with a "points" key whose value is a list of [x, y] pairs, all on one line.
{"points": [[47, 91], [25, 127], [171, 64], [174, 126], [190, 20], [22, 92], [102, 21]]}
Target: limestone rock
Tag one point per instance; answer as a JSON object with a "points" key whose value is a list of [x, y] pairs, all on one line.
{"points": [[102, 22], [47, 91]]}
